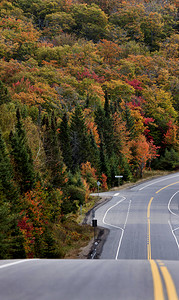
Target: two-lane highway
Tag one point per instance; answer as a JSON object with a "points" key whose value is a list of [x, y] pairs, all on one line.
{"points": [[144, 224], [89, 279], [143, 221], [139, 261]]}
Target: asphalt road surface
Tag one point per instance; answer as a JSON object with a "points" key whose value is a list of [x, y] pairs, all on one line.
{"points": [[139, 260], [143, 221]]}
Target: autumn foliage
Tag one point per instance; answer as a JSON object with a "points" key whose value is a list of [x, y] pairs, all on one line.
{"points": [[88, 90]]}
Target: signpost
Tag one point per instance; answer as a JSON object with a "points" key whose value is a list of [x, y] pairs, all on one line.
{"points": [[118, 176], [98, 184]]}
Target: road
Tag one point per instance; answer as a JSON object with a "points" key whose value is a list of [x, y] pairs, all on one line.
{"points": [[143, 221], [139, 260]]}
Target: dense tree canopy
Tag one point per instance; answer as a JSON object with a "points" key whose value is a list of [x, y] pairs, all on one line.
{"points": [[88, 90]]}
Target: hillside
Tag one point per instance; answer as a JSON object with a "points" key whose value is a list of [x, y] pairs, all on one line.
{"points": [[88, 90]]}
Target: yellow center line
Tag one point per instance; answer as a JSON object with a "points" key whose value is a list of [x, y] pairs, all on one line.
{"points": [[157, 282], [166, 187], [148, 242], [148, 208], [170, 286], [148, 233]]}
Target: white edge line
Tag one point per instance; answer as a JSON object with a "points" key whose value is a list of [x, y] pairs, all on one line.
{"points": [[170, 203], [120, 241], [129, 206], [117, 253], [16, 262], [173, 234], [175, 229], [123, 198], [119, 245], [157, 182]]}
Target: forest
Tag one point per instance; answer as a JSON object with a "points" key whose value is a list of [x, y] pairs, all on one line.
{"points": [[88, 90]]}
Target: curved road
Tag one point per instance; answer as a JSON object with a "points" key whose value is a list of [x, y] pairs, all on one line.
{"points": [[143, 221], [139, 260]]}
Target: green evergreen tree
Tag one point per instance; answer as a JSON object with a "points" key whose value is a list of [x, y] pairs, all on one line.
{"points": [[80, 142], [6, 174], [95, 153], [130, 122], [105, 168], [106, 105], [114, 169], [22, 157], [64, 137], [6, 218], [105, 129], [10, 237], [54, 159], [168, 161], [125, 168]]}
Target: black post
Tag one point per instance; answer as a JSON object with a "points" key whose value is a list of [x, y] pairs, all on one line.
{"points": [[94, 224]]}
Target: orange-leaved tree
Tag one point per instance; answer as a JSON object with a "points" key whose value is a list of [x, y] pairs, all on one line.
{"points": [[33, 221], [141, 154], [89, 174]]}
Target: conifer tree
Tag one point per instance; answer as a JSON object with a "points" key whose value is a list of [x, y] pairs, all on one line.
{"points": [[104, 162], [124, 168], [22, 157], [6, 192], [130, 122], [80, 142], [105, 129], [114, 169], [6, 173], [54, 160], [95, 153], [10, 237], [5, 227], [106, 105], [64, 137]]}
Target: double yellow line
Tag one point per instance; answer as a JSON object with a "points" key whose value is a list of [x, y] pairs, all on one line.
{"points": [[157, 281]]}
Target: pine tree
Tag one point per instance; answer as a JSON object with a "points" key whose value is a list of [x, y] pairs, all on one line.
{"points": [[10, 238], [22, 157], [106, 105], [114, 169], [64, 137], [54, 159], [105, 168], [105, 129], [125, 168], [6, 218], [95, 153], [80, 142], [6, 174], [130, 122]]}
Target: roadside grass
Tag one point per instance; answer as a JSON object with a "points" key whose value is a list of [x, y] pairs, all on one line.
{"points": [[72, 236]]}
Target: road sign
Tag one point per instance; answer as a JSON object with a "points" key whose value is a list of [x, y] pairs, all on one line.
{"points": [[118, 176], [98, 183]]}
